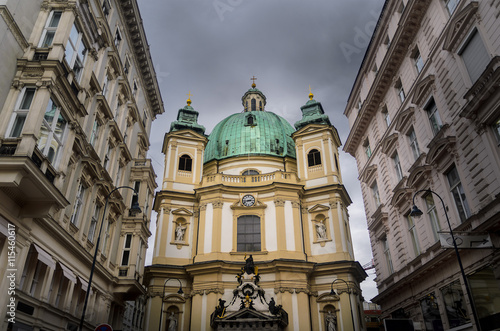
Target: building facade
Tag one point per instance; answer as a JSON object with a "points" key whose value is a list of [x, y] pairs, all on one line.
{"points": [[78, 95], [253, 226], [424, 114]]}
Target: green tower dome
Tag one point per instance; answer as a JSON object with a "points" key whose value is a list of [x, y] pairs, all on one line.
{"points": [[250, 133]]}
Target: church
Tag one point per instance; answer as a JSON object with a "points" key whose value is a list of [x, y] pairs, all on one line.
{"points": [[253, 229]]}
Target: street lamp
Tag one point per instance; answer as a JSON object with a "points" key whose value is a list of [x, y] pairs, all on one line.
{"points": [[134, 209], [332, 292], [163, 296], [415, 212]]}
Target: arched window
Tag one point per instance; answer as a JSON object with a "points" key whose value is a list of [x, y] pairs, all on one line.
{"points": [[248, 239], [313, 158], [250, 172], [250, 120], [185, 162], [254, 105]]}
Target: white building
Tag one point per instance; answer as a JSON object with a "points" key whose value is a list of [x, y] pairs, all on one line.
{"points": [[424, 114], [78, 94]]}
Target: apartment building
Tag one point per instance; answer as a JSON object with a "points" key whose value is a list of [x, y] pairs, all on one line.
{"points": [[424, 117], [78, 96]]}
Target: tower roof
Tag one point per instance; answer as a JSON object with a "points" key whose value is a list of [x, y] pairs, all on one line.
{"points": [[187, 118]]}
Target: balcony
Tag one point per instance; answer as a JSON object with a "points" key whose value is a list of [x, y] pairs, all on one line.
{"points": [[237, 180], [29, 187]]}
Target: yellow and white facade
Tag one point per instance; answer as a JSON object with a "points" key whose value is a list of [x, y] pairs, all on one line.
{"points": [[255, 186]]}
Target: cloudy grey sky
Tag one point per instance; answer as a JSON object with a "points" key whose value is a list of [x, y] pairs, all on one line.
{"points": [[212, 48]]}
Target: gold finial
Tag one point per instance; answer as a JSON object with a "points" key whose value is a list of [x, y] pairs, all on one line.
{"points": [[311, 95], [189, 98], [253, 84]]}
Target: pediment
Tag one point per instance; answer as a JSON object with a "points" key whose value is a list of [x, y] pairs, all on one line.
{"points": [[182, 212], [459, 26], [369, 174], [422, 90], [187, 133], [390, 143], [441, 149], [174, 298], [419, 174], [327, 297], [401, 197], [405, 119], [247, 313], [318, 208]]}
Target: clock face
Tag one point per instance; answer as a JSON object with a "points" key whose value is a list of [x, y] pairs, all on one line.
{"points": [[248, 200]]}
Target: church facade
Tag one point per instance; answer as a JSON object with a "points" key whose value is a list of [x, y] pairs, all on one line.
{"points": [[253, 226]]}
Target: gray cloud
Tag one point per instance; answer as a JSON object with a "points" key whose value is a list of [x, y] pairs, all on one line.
{"points": [[213, 48]]}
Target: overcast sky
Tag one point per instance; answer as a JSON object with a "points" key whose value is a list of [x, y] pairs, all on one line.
{"points": [[212, 48]]}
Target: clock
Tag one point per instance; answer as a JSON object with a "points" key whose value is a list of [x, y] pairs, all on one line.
{"points": [[248, 200]]}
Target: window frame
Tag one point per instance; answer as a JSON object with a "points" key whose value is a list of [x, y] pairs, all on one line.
{"points": [[432, 214], [20, 113], [413, 142], [413, 233], [73, 47], [397, 166], [79, 201], [257, 224], [93, 223], [432, 112], [387, 254], [375, 194], [400, 90], [127, 248], [474, 32], [418, 61], [456, 187], [185, 163], [314, 158], [49, 29], [51, 129]]}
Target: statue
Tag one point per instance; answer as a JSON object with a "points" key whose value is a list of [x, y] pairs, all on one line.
{"points": [[172, 322], [331, 322], [273, 308], [179, 232], [321, 230], [220, 310], [249, 265]]}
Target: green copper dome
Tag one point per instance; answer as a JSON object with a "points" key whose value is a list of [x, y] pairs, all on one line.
{"points": [[250, 132]]}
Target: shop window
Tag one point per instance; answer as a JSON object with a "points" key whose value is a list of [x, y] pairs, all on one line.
{"points": [[486, 295], [431, 314], [453, 298]]}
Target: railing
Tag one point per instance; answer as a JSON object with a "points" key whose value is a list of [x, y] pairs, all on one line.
{"points": [[277, 176]]}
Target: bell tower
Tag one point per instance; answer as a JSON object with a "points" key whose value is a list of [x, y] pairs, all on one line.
{"points": [[253, 99]]}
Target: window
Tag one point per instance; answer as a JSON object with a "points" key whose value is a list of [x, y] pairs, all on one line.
{"points": [[397, 166], [413, 235], [313, 158], [107, 156], [458, 193], [399, 89], [451, 5], [105, 85], [417, 59], [248, 234], [387, 41], [105, 241], [106, 7], [485, 293], [250, 172], [185, 162], [95, 132], [50, 29], [496, 130], [385, 114], [433, 216], [254, 104], [93, 223], [387, 254], [454, 302], [375, 69], [21, 111], [414, 144], [118, 37], [360, 104], [75, 51], [474, 55], [250, 120], [80, 194], [375, 194], [135, 88], [401, 7], [52, 131], [126, 67], [126, 249], [433, 115], [368, 150]]}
